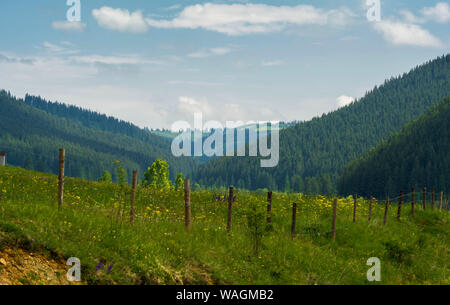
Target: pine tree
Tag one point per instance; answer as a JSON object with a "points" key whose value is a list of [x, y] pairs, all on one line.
{"points": [[287, 184], [28, 163]]}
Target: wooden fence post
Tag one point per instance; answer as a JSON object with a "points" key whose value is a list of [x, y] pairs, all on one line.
{"points": [[133, 196], [187, 203], [269, 207], [400, 201], [294, 218], [413, 196], [230, 207], [370, 207], [424, 202], [333, 224], [440, 201], [2, 158], [62, 157], [354, 208], [386, 210]]}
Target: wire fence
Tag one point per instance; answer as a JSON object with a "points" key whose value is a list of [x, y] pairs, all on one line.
{"points": [[308, 223]]}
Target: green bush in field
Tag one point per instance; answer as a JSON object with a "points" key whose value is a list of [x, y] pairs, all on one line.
{"points": [[106, 177], [157, 176]]}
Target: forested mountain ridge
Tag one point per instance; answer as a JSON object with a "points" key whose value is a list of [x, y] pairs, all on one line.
{"points": [[92, 119], [31, 137], [417, 156], [313, 153]]}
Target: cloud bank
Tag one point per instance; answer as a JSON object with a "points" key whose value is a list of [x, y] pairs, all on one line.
{"points": [[439, 13], [399, 33], [230, 19], [120, 20], [344, 100]]}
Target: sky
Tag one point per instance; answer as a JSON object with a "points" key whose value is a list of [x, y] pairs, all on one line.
{"points": [[157, 62]]}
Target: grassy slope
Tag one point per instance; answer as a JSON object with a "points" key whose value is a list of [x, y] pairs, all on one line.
{"points": [[157, 249]]}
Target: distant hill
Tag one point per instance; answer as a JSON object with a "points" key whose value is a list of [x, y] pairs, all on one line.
{"points": [[32, 130], [313, 153], [169, 134], [92, 119], [417, 156]]}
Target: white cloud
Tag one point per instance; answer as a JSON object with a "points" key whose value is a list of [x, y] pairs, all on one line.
{"points": [[409, 17], [220, 51], [55, 49], [67, 43], [113, 60], [12, 59], [173, 7], [194, 83], [272, 63], [210, 52], [340, 17], [344, 100], [399, 33], [120, 20], [240, 19], [52, 47], [191, 106], [439, 13], [188, 106], [69, 26]]}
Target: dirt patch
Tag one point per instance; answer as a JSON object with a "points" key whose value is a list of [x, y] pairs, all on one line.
{"points": [[23, 267]]}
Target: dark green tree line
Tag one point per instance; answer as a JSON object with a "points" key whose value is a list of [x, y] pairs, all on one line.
{"points": [[418, 156]]}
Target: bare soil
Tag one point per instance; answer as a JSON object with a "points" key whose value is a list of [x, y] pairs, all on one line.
{"points": [[23, 267]]}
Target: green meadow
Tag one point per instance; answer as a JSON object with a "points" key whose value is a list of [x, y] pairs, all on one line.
{"points": [[94, 225]]}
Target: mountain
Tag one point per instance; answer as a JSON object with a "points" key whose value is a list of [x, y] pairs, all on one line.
{"points": [[32, 130], [417, 156], [313, 153], [92, 119]]}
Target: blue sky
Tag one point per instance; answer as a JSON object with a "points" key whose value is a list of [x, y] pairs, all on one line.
{"points": [[156, 62]]}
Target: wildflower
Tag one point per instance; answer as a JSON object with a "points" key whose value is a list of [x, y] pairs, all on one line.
{"points": [[110, 268]]}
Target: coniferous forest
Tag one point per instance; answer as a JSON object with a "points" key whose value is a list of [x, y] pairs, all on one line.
{"points": [[417, 156]]}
